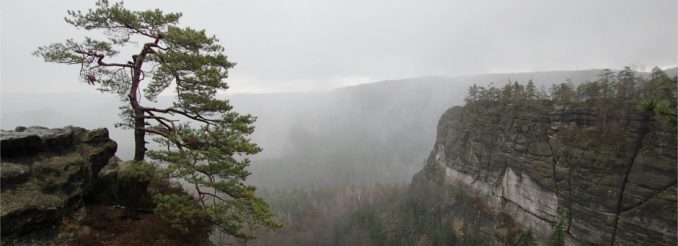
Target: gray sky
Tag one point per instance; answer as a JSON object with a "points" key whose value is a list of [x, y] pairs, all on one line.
{"points": [[296, 45]]}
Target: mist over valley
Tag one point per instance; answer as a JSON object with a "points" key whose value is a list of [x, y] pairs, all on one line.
{"points": [[383, 122]]}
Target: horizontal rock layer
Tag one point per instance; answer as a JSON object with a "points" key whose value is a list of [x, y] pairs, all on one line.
{"points": [[46, 174]]}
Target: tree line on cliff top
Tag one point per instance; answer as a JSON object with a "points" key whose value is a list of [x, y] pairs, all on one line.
{"points": [[611, 93]]}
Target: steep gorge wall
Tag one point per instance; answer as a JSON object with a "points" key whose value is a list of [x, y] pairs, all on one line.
{"points": [[529, 169]]}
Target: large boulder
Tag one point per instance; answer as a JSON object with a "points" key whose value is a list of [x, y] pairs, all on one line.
{"points": [[46, 173]]}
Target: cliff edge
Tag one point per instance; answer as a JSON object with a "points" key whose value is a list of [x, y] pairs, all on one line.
{"points": [[498, 172]]}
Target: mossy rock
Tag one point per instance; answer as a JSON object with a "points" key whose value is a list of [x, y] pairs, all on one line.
{"points": [[123, 183], [14, 174]]}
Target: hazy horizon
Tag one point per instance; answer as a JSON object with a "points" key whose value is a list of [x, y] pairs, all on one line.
{"points": [[376, 132], [303, 46], [328, 73], [229, 92]]}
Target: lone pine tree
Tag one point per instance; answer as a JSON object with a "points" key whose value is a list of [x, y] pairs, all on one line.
{"points": [[206, 143]]}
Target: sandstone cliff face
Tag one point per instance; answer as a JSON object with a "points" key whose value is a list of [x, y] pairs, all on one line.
{"points": [[46, 174], [520, 170]]}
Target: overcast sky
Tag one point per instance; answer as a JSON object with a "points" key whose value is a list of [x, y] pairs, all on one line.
{"points": [[296, 45]]}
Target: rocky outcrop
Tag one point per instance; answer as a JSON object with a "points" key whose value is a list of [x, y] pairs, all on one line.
{"points": [[609, 184], [46, 174], [122, 183]]}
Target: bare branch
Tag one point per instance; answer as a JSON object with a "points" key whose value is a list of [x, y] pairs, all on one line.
{"points": [[215, 196], [184, 113], [100, 58], [149, 130], [162, 120]]}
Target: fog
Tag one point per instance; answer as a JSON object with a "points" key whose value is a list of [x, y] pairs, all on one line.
{"points": [[311, 70], [348, 95], [373, 133]]}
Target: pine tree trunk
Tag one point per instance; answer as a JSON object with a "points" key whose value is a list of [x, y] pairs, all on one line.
{"points": [[139, 135], [139, 124]]}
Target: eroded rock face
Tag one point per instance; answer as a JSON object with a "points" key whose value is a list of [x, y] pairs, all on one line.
{"points": [[46, 174], [613, 185]]}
